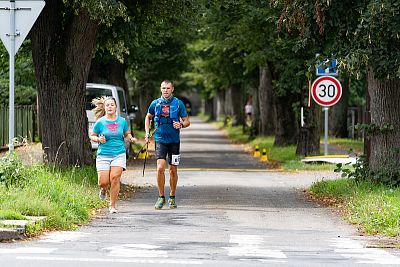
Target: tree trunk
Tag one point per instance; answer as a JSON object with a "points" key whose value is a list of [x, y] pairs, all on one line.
{"points": [[255, 115], [209, 108], [220, 107], [234, 104], [286, 126], [338, 118], [62, 56], [367, 120], [145, 93], [111, 72], [265, 101], [228, 110], [385, 109], [309, 136]]}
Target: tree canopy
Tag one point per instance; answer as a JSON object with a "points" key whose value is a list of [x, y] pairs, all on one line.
{"points": [[25, 87]]}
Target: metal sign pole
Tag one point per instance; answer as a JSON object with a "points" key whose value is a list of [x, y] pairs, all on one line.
{"points": [[326, 132], [11, 71], [20, 25]]}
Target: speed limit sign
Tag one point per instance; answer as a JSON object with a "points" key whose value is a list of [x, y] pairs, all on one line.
{"points": [[326, 91]]}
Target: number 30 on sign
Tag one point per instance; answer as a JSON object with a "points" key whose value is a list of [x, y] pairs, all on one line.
{"points": [[326, 91]]}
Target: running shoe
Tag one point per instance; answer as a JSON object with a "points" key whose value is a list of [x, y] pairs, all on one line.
{"points": [[160, 203], [112, 210], [103, 194], [172, 203]]}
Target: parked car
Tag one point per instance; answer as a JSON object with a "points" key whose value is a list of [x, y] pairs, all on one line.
{"points": [[94, 90]]}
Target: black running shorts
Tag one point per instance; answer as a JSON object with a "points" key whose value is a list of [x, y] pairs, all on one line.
{"points": [[162, 150]]}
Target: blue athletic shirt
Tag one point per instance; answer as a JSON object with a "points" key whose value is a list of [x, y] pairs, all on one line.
{"points": [[166, 133], [114, 133]]}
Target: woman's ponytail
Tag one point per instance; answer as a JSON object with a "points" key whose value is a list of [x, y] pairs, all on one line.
{"points": [[99, 110]]}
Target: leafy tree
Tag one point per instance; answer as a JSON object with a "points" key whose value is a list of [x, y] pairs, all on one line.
{"points": [[25, 88], [242, 38], [159, 62], [63, 43], [221, 65], [150, 47], [364, 36]]}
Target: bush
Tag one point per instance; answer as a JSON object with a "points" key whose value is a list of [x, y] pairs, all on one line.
{"points": [[12, 171], [389, 175]]}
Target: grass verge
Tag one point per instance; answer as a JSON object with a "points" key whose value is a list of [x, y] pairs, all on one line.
{"points": [[285, 157], [374, 207], [67, 197]]}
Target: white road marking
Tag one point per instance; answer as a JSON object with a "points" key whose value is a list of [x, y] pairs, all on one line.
{"points": [[27, 250], [155, 261], [265, 260], [63, 236], [349, 248], [137, 251], [251, 246]]}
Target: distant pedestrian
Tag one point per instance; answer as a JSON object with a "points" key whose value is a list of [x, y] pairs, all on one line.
{"points": [[109, 131], [248, 110], [169, 114]]}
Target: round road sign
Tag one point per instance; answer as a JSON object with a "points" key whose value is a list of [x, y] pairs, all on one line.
{"points": [[326, 91]]}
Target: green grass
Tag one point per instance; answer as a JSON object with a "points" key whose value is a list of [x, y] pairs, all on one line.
{"points": [[139, 133], [347, 144], [66, 197], [286, 156], [373, 206], [11, 215]]}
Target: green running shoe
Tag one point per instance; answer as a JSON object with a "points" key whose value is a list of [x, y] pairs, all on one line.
{"points": [[160, 203], [172, 203]]}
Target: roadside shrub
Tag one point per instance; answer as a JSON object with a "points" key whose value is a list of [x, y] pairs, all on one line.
{"points": [[12, 171], [389, 175], [359, 171]]}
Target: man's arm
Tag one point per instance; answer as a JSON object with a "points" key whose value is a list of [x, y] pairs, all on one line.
{"points": [[185, 122], [147, 123]]}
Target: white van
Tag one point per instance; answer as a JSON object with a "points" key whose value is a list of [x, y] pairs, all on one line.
{"points": [[94, 90]]}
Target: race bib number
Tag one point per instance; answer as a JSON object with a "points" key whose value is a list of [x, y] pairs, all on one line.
{"points": [[175, 159]]}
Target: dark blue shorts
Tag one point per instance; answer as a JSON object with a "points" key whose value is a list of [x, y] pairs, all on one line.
{"points": [[172, 150]]}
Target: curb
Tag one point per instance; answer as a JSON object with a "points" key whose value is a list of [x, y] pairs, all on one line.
{"points": [[17, 229], [9, 234]]}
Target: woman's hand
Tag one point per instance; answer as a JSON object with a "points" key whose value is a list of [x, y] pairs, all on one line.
{"points": [[102, 139], [132, 140]]}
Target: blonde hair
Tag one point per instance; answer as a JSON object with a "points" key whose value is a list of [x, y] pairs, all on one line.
{"points": [[99, 110]]}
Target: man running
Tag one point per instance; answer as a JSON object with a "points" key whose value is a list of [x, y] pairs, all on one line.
{"points": [[169, 114]]}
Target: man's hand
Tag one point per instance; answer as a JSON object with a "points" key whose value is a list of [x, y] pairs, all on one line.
{"points": [[146, 138], [177, 124]]}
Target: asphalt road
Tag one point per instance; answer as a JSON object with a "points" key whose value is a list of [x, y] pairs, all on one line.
{"points": [[232, 211]]}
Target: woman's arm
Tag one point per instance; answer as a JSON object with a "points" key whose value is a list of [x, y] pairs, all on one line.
{"points": [[129, 136]]}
